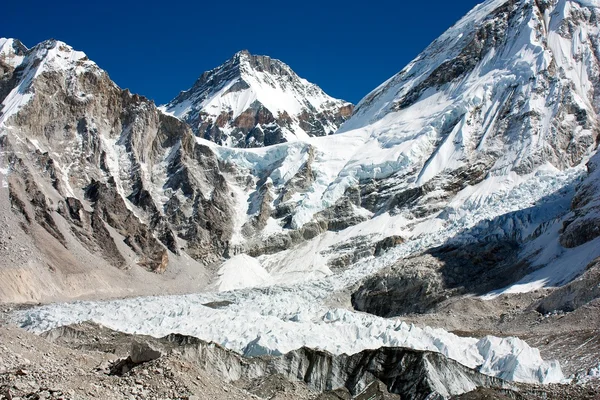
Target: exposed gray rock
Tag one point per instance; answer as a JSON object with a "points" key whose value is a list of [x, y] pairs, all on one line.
{"points": [[103, 169], [584, 224], [411, 286], [142, 352], [408, 373], [575, 294]]}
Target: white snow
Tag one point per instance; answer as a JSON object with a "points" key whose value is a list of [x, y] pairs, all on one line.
{"points": [[8, 54], [4, 173], [553, 262], [594, 373], [504, 358], [280, 301], [291, 314], [241, 271], [589, 3]]}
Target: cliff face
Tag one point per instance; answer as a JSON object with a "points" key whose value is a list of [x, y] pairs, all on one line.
{"points": [[386, 373], [583, 224], [98, 173], [255, 101]]}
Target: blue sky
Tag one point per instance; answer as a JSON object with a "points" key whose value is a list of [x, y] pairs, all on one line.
{"points": [[159, 48]]}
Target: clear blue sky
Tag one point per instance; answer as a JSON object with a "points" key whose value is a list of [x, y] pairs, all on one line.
{"points": [[159, 48]]}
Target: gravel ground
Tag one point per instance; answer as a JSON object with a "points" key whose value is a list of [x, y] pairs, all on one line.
{"points": [[78, 365]]}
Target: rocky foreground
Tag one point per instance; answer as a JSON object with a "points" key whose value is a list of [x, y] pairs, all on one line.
{"points": [[88, 361]]}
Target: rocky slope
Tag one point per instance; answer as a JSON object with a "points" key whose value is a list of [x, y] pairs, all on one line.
{"points": [[254, 101], [90, 361], [96, 176], [583, 224], [498, 115]]}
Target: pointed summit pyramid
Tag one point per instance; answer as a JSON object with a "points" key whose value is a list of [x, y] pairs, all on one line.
{"points": [[254, 101]]}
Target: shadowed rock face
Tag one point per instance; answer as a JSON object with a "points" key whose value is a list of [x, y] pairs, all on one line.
{"points": [[583, 225], [576, 294], [420, 283], [488, 256], [95, 165], [211, 106]]}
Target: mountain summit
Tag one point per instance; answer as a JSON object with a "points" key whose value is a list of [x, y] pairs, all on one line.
{"points": [[254, 101], [513, 85]]}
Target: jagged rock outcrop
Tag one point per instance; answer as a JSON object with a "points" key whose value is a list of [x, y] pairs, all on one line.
{"points": [[506, 96], [420, 283], [78, 367], [255, 101], [497, 113], [486, 257], [523, 95]]}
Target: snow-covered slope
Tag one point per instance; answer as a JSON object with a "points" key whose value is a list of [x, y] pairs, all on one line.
{"points": [[516, 78], [47, 57], [508, 97], [12, 52], [281, 319], [253, 101]]}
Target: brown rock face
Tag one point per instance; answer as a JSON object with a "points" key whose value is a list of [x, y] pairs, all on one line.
{"points": [[252, 117], [97, 167], [222, 119], [345, 112]]}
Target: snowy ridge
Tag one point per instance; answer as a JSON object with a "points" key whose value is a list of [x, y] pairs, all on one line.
{"points": [[48, 56], [287, 316], [275, 94], [512, 114], [380, 101], [511, 64], [443, 132], [282, 162], [476, 138]]}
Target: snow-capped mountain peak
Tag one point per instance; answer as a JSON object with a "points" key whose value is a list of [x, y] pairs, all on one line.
{"points": [[253, 101], [514, 80], [50, 56], [452, 179]]}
